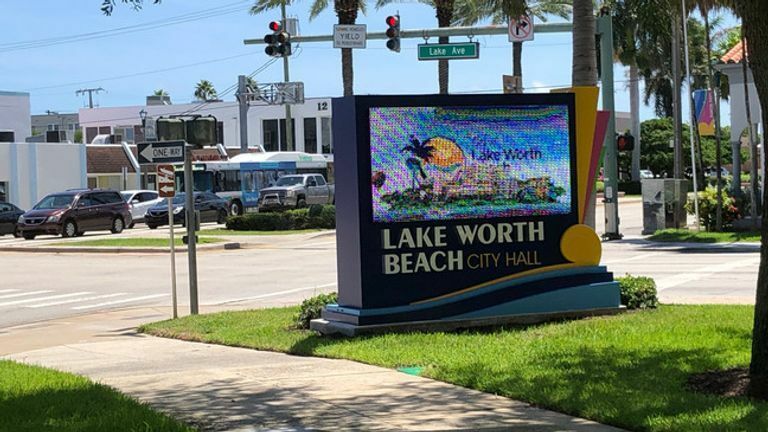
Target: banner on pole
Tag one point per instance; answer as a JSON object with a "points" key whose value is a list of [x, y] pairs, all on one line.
{"points": [[702, 102]]}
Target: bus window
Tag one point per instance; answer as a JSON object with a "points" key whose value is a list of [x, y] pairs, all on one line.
{"points": [[218, 182], [248, 181], [232, 180], [260, 180], [203, 181]]}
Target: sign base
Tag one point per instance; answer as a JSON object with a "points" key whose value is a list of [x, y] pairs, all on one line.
{"points": [[328, 327]]}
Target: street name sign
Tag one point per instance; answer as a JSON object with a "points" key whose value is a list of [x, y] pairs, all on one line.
{"points": [[449, 51], [349, 36], [166, 181], [161, 152], [521, 29]]}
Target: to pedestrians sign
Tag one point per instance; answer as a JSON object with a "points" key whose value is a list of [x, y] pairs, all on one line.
{"points": [[160, 152], [166, 181], [349, 36], [521, 29], [449, 51]]}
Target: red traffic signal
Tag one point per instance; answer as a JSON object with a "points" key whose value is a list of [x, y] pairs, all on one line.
{"points": [[393, 33], [275, 26], [393, 20], [625, 142]]}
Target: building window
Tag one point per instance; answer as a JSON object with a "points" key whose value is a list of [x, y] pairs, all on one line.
{"points": [[271, 137], [284, 139], [325, 130], [310, 135], [90, 134], [105, 130], [220, 133], [53, 127]]}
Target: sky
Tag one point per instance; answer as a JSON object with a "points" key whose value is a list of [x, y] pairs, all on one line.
{"points": [[180, 42]]}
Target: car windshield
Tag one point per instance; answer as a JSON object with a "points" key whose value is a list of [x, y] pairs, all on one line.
{"points": [[289, 181], [126, 196], [179, 198], [55, 202]]}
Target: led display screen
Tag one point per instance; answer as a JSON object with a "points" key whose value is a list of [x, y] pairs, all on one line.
{"points": [[469, 162]]}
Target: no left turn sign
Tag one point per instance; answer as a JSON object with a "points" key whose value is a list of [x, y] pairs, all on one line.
{"points": [[521, 29]]}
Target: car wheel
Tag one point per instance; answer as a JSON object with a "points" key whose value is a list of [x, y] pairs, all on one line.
{"points": [[301, 203], [150, 226], [17, 233], [222, 217], [117, 225], [69, 229], [133, 224], [29, 236], [236, 209]]}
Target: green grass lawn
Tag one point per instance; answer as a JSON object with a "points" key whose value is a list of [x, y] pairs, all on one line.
{"points": [[627, 370], [683, 235], [219, 231], [34, 399], [137, 242]]}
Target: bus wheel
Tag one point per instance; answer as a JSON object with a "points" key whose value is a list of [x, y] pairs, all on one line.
{"points": [[236, 208]]}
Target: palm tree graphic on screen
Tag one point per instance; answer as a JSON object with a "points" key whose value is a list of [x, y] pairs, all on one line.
{"points": [[421, 153]]}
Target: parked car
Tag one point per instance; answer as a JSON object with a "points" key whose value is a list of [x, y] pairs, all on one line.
{"points": [[646, 174], [9, 216], [73, 212], [212, 208], [139, 202], [712, 172], [296, 191]]}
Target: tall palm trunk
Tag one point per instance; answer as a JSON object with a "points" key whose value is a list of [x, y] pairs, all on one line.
{"points": [[753, 13], [444, 9], [584, 55], [346, 10]]}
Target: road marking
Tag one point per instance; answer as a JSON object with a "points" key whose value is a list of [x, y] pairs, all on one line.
{"points": [[16, 302], [8, 290], [25, 294], [75, 300], [703, 273], [632, 258], [279, 293], [120, 301]]}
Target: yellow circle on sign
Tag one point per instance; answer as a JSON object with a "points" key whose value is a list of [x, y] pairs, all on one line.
{"points": [[581, 245]]}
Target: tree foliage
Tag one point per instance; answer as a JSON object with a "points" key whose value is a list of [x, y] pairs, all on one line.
{"points": [[108, 6], [205, 91]]}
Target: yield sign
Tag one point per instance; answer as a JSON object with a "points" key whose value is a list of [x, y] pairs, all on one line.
{"points": [[166, 181], [521, 29]]}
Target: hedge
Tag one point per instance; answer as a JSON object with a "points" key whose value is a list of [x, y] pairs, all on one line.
{"points": [[323, 217]]}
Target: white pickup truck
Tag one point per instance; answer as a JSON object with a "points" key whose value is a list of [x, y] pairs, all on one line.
{"points": [[296, 191]]}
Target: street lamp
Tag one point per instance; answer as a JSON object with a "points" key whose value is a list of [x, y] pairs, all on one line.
{"points": [[143, 116]]}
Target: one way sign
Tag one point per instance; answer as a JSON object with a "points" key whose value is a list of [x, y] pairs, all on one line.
{"points": [[161, 152], [521, 29]]}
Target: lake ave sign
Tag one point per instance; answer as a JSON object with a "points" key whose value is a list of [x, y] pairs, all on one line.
{"points": [[450, 51], [161, 152]]}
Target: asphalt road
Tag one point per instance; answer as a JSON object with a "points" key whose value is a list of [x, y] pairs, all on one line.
{"points": [[279, 270]]}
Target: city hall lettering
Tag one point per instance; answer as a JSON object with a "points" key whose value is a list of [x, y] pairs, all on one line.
{"points": [[455, 259]]}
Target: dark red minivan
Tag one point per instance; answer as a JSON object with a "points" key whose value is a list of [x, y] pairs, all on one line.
{"points": [[73, 212]]}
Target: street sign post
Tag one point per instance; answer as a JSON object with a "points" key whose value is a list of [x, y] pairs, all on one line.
{"points": [[521, 29], [161, 152], [166, 188], [449, 51], [349, 36]]}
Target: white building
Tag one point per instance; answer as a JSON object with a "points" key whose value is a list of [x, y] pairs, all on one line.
{"points": [[14, 116], [29, 171], [266, 123]]}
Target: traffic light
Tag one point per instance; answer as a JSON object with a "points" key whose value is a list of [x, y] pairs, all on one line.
{"points": [[279, 42], [625, 142], [393, 33], [197, 130]]}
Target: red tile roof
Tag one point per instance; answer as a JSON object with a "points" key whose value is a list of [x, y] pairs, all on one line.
{"points": [[107, 159], [734, 55]]}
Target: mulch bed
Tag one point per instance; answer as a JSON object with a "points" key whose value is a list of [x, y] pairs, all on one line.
{"points": [[728, 383]]}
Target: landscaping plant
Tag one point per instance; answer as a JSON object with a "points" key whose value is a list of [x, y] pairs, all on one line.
{"points": [[708, 208], [312, 307], [638, 292]]}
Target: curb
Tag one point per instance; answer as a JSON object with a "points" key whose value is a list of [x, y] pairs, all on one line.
{"points": [[116, 250], [693, 246]]}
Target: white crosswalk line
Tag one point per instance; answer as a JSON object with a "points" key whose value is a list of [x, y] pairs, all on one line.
{"points": [[8, 290], [18, 302], [74, 300], [134, 299], [3, 297]]}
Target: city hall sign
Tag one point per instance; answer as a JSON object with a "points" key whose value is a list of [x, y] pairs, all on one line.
{"points": [[453, 209]]}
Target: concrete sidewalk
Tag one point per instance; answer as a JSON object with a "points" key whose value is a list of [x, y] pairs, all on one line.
{"points": [[220, 388]]}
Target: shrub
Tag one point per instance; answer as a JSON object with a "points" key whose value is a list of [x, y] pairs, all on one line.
{"points": [[312, 307], [638, 292], [708, 208], [297, 219], [600, 187], [315, 210]]}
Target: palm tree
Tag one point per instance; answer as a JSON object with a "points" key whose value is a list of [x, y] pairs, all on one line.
{"points": [[346, 11], [160, 92], [500, 11], [204, 91], [584, 65]]}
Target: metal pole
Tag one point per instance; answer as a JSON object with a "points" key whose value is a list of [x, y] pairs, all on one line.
{"points": [[610, 162], [676, 107], [286, 78], [242, 99], [692, 117], [189, 214], [752, 144], [173, 258]]}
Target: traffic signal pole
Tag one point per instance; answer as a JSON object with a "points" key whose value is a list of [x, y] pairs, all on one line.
{"points": [[286, 78]]}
